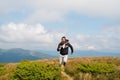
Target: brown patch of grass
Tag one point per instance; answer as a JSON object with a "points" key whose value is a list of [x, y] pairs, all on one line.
{"points": [[9, 68], [73, 62], [70, 68]]}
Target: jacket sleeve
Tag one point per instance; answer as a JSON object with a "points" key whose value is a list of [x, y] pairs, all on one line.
{"points": [[71, 47], [58, 47]]}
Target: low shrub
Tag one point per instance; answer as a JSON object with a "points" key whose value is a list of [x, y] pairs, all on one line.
{"points": [[1, 64], [2, 71], [35, 71], [96, 68]]}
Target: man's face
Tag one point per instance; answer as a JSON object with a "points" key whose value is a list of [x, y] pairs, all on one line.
{"points": [[63, 39]]}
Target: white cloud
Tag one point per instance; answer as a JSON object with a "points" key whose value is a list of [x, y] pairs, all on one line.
{"points": [[37, 37], [108, 40], [54, 10], [27, 36], [21, 32]]}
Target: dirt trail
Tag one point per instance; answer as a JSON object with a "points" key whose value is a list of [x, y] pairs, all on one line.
{"points": [[65, 75]]}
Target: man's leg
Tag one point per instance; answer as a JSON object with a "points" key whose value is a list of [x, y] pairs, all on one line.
{"points": [[60, 60], [65, 59]]}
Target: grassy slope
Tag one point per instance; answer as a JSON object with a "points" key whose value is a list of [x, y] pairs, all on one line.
{"points": [[70, 68]]}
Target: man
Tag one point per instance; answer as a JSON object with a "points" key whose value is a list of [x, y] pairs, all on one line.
{"points": [[63, 48]]}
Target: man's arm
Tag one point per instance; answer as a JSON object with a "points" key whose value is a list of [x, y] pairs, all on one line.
{"points": [[59, 47], [71, 47]]}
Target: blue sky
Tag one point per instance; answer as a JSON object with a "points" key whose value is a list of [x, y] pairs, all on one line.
{"points": [[79, 24], [74, 23], [89, 24]]}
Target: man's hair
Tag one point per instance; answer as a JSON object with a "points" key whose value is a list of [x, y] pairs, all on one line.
{"points": [[63, 37]]}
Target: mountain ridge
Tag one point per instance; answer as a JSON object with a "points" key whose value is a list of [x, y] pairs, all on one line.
{"points": [[18, 54]]}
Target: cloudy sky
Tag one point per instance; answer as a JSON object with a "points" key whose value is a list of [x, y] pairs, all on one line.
{"points": [[40, 24]]}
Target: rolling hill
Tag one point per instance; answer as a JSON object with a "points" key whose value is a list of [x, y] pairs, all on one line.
{"points": [[18, 54]]}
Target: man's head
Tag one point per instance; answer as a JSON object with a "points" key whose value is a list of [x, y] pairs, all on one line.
{"points": [[63, 39]]}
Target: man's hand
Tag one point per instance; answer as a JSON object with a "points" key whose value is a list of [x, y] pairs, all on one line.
{"points": [[60, 47]]}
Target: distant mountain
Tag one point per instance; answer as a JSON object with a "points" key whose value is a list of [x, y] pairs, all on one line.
{"points": [[93, 53], [18, 54], [85, 53]]}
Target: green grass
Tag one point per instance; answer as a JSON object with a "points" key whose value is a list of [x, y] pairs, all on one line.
{"points": [[2, 64], [2, 69], [35, 71], [96, 68], [87, 68]]}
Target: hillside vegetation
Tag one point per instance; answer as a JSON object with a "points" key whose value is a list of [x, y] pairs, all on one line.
{"points": [[87, 68]]}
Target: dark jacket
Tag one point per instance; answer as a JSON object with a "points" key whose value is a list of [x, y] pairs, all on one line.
{"points": [[64, 51]]}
